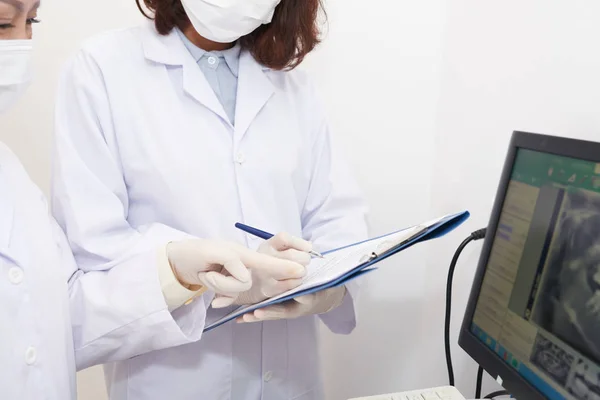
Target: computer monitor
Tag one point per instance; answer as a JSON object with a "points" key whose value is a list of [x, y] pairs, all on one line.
{"points": [[533, 317]]}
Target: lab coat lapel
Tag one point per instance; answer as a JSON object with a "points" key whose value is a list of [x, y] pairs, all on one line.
{"points": [[196, 85], [170, 50], [254, 91]]}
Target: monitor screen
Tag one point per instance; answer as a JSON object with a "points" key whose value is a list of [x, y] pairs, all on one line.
{"points": [[539, 304]]}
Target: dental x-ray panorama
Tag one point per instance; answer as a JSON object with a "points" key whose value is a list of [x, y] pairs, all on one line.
{"points": [[569, 299]]}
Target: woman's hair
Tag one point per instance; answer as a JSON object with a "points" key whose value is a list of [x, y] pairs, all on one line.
{"points": [[282, 44]]}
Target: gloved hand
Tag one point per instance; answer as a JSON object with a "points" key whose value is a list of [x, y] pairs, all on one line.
{"points": [[265, 284], [223, 267], [311, 304]]}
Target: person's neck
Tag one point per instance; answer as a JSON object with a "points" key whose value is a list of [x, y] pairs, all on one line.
{"points": [[204, 43]]}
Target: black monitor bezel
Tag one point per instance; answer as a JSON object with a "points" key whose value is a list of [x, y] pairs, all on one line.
{"points": [[512, 381]]}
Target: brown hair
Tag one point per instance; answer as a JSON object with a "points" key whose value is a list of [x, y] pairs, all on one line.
{"points": [[282, 44]]}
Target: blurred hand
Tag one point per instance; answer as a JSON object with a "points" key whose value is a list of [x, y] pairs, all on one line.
{"points": [[269, 283], [225, 268], [312, 304]]}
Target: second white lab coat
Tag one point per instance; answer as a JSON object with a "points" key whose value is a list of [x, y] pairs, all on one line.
{"points": [[36, 346], [145, 154], [41, 345]]}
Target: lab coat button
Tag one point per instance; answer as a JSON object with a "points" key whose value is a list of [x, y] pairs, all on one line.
{"points": [[30, 356], [15, 275], [239, 158], [212, 60], [268, 376]]}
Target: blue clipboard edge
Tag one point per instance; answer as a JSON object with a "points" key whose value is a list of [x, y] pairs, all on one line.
{"points": [[338, 282], [442, 228]]}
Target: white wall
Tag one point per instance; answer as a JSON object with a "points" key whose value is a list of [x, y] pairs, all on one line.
{"points": [[423, 95], [516, 64], [380, 72]]}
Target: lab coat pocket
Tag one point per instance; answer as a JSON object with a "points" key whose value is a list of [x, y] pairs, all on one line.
{"points": [[279, 160], [279, 169]]}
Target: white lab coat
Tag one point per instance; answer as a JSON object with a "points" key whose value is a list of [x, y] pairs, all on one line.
{"points": [[40, 285], [145, 154], [36, 346]]}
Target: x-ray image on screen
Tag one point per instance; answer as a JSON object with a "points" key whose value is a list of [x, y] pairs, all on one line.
{"points": [[568, 303]]}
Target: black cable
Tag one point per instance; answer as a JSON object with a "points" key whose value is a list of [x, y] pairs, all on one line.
{"points": [[496, 394], [479, 383], [477, 235]]}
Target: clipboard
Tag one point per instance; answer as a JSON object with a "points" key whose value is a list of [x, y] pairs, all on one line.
{"points": [[391, 247], [364, 265]]}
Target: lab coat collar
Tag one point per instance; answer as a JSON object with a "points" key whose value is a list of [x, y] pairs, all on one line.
{"points": [[162, 49], [170, 50], [231, 56], [255, 89], [254, 86]]}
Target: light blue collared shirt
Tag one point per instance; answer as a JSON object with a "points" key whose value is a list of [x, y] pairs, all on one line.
{"points": [[221, 71]]}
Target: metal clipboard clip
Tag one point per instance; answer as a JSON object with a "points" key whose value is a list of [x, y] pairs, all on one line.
{"points": [[390, 246]]}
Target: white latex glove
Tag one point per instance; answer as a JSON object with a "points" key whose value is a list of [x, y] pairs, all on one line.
{"points": [[312, 304], [265, 284], [288, 247], [224, 267]]}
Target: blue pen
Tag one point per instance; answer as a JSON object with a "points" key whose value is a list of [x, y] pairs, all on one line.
{"points": [[266, 236]]}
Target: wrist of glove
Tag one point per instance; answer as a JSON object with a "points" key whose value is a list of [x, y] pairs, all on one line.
{"points": [[282, 246], [312, 304], [224, 268]]}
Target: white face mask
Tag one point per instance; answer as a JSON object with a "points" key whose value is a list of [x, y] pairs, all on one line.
{"points": [[225, 21], [15, 70]]}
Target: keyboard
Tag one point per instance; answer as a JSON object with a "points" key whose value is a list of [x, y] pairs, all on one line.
{"points": [[441, 393]]}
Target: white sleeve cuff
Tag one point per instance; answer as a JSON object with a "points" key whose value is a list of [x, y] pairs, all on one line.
{"points": [[343, 319], [175, 294]]}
